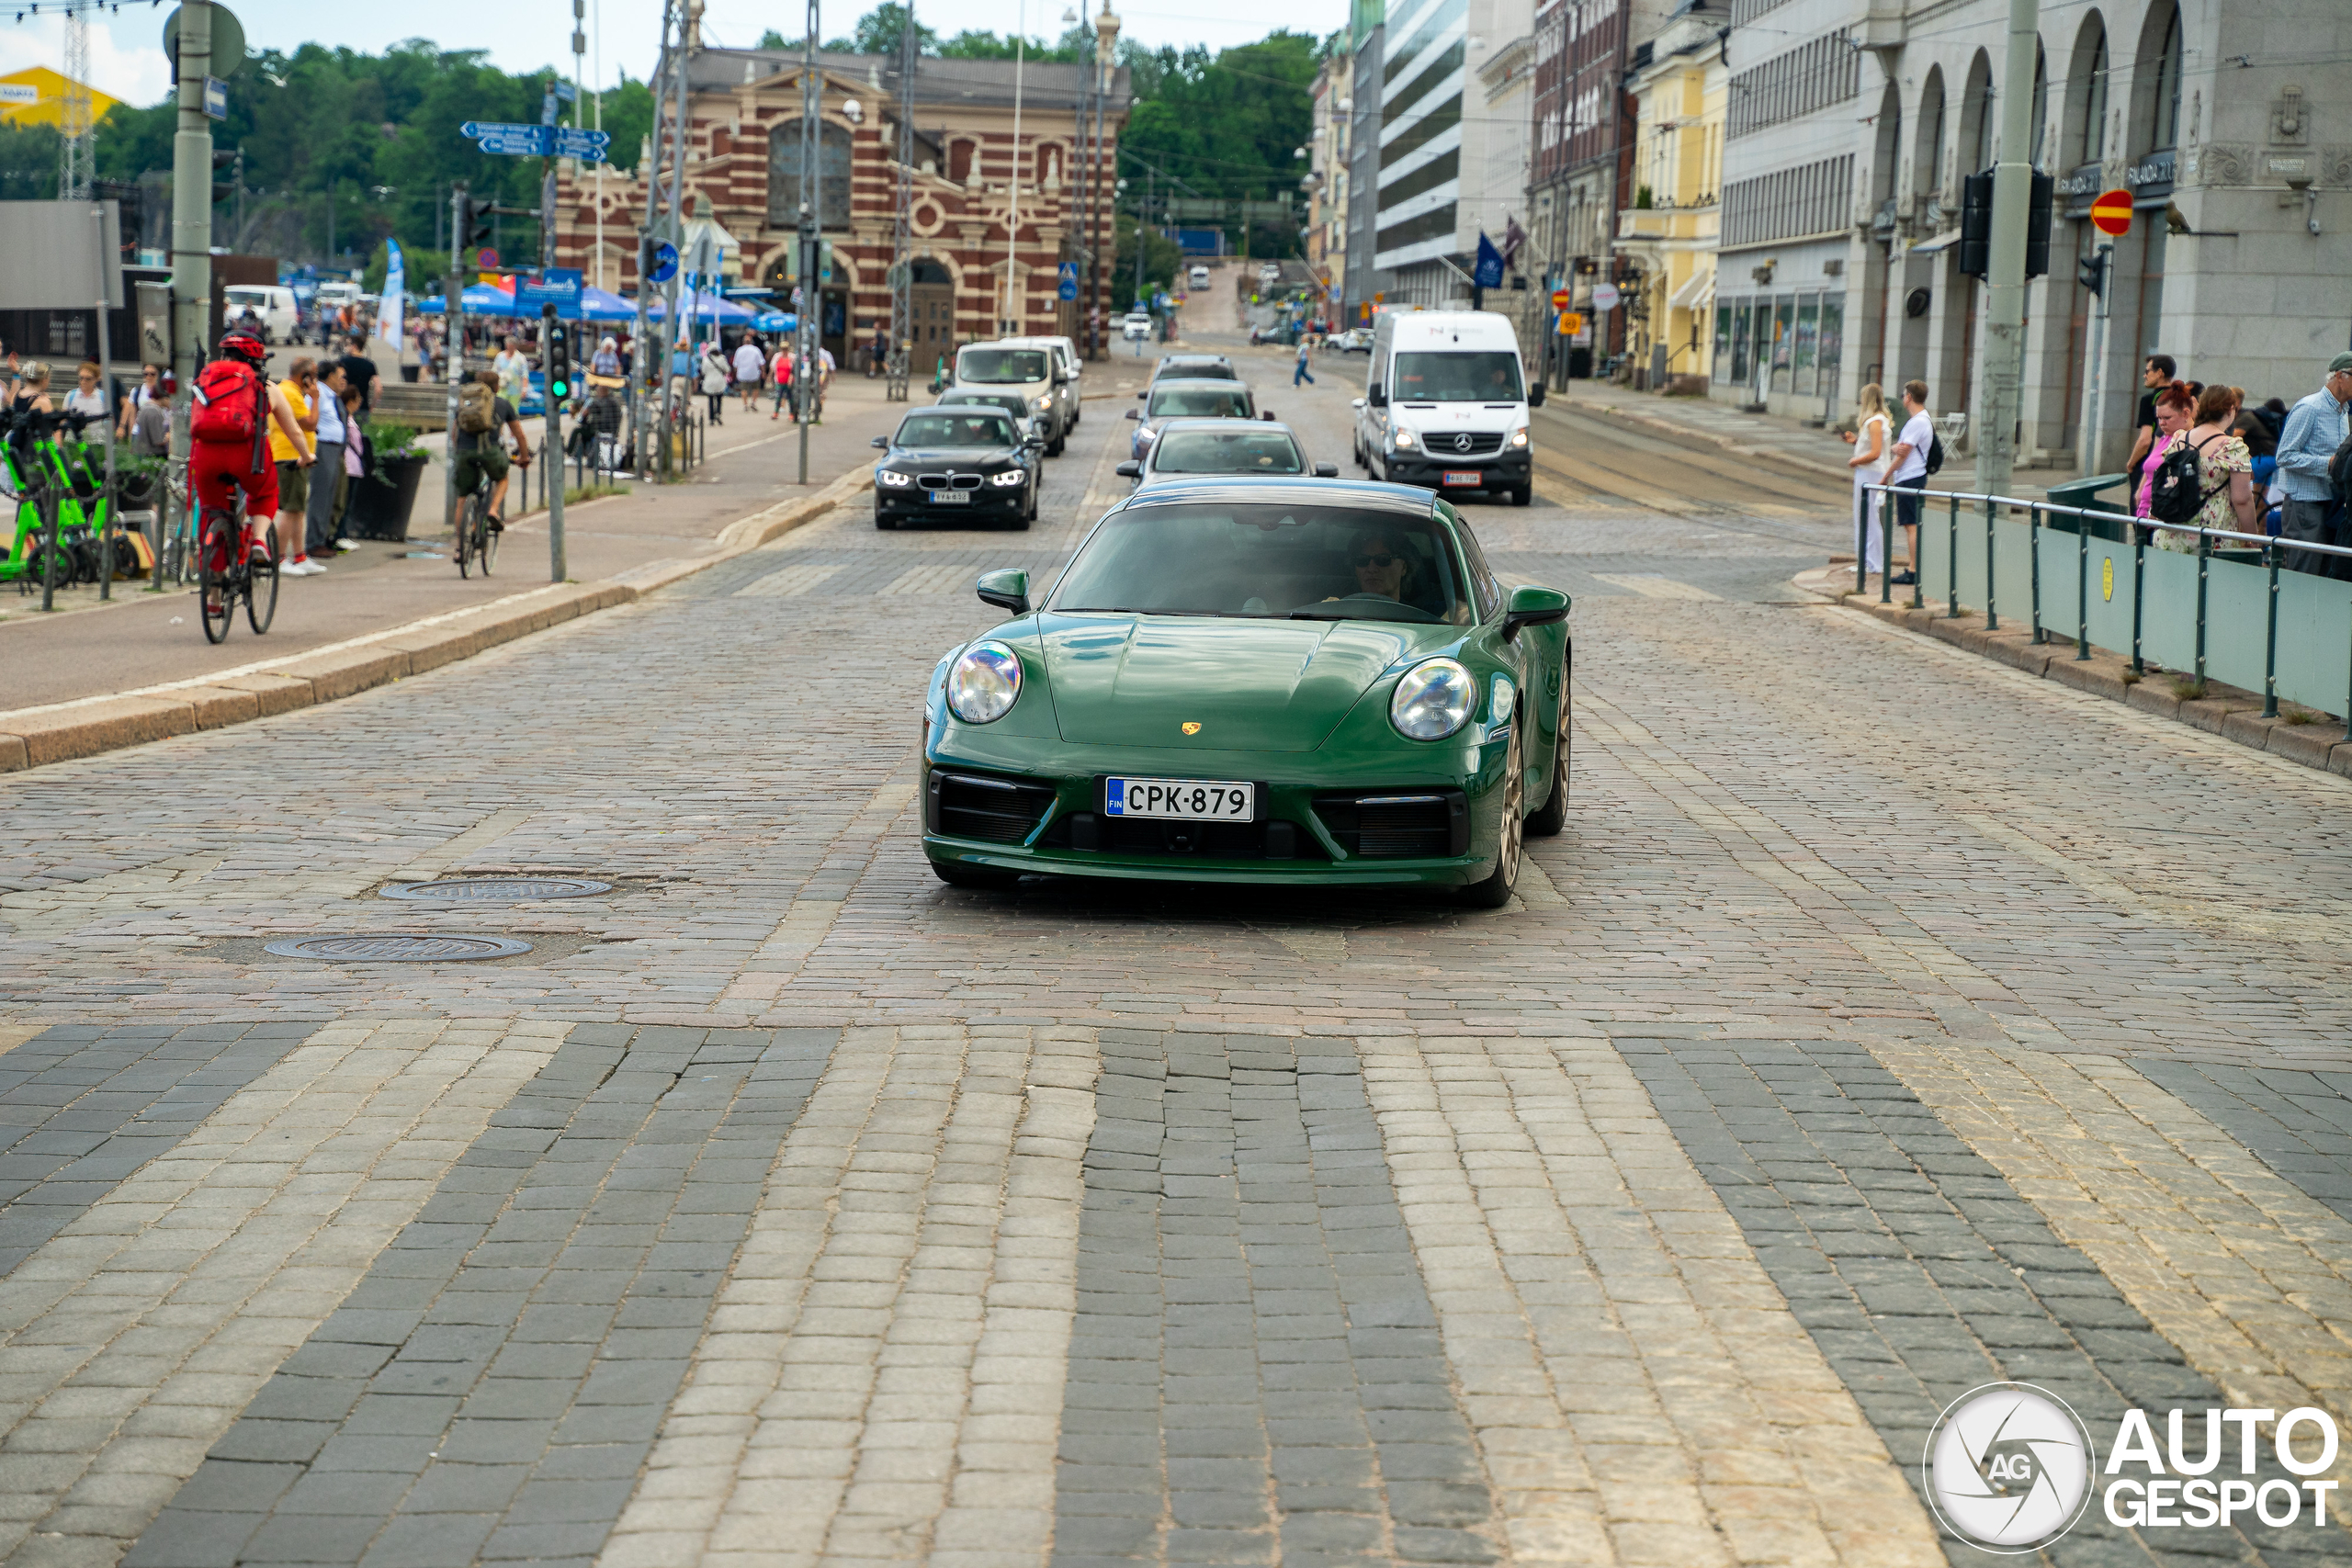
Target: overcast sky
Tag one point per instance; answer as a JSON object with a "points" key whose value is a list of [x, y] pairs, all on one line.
{"points": [[127, 56]]}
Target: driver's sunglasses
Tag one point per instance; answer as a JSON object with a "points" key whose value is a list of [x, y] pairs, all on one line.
{"points": [[1382, 561]]}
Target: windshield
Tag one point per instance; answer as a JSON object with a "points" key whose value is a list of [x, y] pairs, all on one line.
{"points": [[974, 429], [1001, 366], [1011, 402], [250, 296], [1242, 451], [1313, 563], [1458, 378], [1200, 402]]}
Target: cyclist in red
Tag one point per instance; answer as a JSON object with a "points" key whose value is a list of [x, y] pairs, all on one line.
{"points": [[230, 449]]}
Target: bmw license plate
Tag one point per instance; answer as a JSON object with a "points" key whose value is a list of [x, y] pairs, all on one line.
{"points": [[951, 498], [1464, 476], [1201, 800]]}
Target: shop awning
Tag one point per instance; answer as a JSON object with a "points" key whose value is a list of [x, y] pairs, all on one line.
{"points": [[1949, 238], [1695, 290]]}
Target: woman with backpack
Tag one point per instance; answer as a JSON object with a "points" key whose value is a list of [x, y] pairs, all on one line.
{"points": [[2176, 409], [2209, 466], [233, 404]]}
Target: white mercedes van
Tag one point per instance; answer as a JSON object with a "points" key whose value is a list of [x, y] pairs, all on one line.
{"points": [[1445, 404]]}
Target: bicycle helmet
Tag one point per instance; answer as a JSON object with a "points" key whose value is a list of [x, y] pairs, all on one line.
{"points": [[245, 346]]}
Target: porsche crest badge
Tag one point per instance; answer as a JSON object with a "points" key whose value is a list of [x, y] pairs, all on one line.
{"points": [[1192, 727]]}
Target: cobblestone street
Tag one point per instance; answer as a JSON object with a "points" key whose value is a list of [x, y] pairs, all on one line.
{"points": [[1886, 1023]]}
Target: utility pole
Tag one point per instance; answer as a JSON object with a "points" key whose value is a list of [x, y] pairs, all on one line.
{"points": [[2101, 266], [1101, 225], [191, 221], [1014, 321], [1997, 417], [453, 343], [645, 364], [811, 196], [903, 259]]}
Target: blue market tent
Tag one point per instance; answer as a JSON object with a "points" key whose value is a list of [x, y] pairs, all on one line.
{"points": [[705, 306], [775, 322], [600, 305], [480, 299]]}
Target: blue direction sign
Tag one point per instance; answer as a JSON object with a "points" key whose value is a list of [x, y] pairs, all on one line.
{"points": [[216, 97], [520, 141], [588, 146], [558, 285], [1068, 288], [666, 262]]}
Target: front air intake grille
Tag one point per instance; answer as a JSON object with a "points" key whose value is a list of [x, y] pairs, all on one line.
{"points": [[949, 482], [1463, 443], [1399, 825], [996, 811]]}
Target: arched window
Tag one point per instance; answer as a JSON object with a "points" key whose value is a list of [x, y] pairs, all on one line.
{"points": [[2086, 93], [1976, 115], [1927, 159], [832, 175], [2168, 126], [2041, 105]]}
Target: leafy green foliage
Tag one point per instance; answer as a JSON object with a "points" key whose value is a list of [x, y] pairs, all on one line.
{"points": [[1225, 125], [27, 163]]}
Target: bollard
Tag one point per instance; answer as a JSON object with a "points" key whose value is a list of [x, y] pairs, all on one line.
{"points": [[2270, 637]]}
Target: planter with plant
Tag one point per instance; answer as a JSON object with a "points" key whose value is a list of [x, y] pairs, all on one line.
{"points": [[382, 498]]}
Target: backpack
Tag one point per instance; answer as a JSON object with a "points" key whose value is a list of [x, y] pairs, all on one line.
{"points": [[477, 408], [229, 403], [2177, 493], [1935, 451]]}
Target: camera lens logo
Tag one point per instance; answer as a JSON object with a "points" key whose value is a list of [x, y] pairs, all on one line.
{"points": [[2009, 1467]]}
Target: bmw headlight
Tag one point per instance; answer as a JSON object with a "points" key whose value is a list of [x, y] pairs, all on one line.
{"points": [[985, 682], [1009, 479], [1403, 438], [1431, 701], [893, 478]]}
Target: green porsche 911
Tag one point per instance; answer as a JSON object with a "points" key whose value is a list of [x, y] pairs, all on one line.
{"points": [[1264, 681]]}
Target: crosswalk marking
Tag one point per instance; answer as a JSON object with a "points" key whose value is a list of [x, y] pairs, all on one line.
{"points": [[937, 577], [1653, 585], [789, 583]]}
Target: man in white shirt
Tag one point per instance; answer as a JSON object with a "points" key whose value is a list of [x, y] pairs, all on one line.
{"points": [[1908, 468], [750, 367]]}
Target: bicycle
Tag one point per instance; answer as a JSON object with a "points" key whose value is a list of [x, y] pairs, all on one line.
{"points": [[226, 573], [477, 540]]}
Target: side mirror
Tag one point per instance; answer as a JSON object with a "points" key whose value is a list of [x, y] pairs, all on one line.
{"points": [[1327, 471], [1008, 590], [1355, 403], [1130, 469], [1135, 413], [880, 444], [1530, 606], [1376, 395], [1535, 395], [1145, 393], [1268, 416]]}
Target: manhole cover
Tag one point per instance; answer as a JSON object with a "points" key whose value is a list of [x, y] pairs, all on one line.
{"points": [[498, 889], [398, 949]]}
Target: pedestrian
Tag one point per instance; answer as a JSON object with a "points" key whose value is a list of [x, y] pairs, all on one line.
{"points": [[750, 369], [2154, 377], [2224, 473], [327, 477], [31, 389], [2248, 427], [2175, 411], [2317, 428], [300, 389], [149, 390], [1907, 470], [780, 379], [1299, 372], [513, 369], [608, 360], [88, 397], [715, 377], [359, 375], [878, 359], [1872, 444]]}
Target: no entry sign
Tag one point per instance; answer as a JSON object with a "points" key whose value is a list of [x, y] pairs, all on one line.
{"points": [[2112, 213]]}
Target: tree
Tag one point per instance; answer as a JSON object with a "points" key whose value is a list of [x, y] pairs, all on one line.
{"points": [[28, 162], [1228, 126]]}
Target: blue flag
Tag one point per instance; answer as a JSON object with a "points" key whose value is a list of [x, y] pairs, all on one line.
{"points": [[1489, 272]]}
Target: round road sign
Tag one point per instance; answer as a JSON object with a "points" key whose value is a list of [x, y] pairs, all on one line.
{"points": [[1559, 298], [486, 259], [1604, 296], [2112, 213]]}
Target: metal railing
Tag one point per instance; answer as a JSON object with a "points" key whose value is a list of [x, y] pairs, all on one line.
{"points": [[2038, 515]]}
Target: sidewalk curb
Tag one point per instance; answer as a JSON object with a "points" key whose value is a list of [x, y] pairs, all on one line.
{"points": [[34, 737], [2226, 711]]}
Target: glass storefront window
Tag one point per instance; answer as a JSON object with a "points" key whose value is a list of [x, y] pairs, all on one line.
{"points": [[1740, 363], [1831, 348], [1784, 338], [1723, 344], [1802, 358]]}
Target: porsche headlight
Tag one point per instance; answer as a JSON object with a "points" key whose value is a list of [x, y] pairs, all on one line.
{"points": [[1403, 438], [984, 683], [892, 477], [1432, 700], [1010, 478]]}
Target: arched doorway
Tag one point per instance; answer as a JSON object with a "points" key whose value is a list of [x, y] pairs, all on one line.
{"points": [[932, 292]]}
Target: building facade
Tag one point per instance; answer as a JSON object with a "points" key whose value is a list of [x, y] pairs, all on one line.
{"points": [[1326, 209], [985, 254], [1367, 39], [1679, 85]]}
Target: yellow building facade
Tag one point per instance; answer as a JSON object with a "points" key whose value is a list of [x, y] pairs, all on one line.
{"points": [[36, 96], [1670, 231]]}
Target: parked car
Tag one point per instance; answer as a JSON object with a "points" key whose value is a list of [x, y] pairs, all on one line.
{"points": [[1137, 327], [1355, 339], [1255, 681], [1195, 448], [274, 303], [964, 463], [1187, 399]]}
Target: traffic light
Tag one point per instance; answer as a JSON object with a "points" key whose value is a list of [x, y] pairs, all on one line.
{"points": [[2037, 224], [558, 345], [2091, 272], [473, 223], [222, 158], [1976, 225]]}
